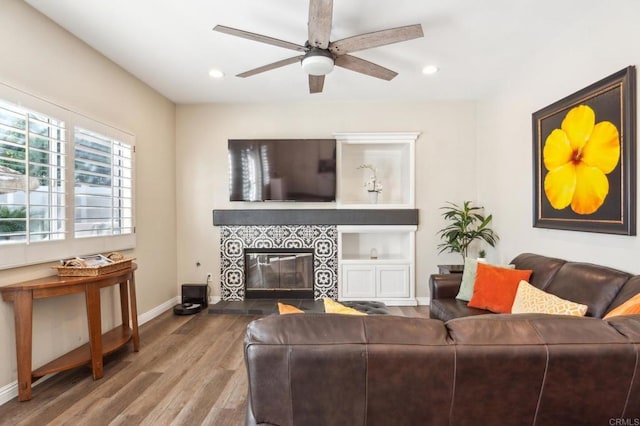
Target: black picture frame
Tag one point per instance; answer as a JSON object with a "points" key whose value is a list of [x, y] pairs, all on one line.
{"points": [[612, 99]]}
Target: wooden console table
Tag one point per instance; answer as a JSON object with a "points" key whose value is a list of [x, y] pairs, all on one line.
{"points": [[22, 295]]}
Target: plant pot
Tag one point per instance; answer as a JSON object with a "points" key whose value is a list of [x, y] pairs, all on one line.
{"points": [[373, 197]]}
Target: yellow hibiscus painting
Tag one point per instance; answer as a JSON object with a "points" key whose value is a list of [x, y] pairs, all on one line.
{"points": [[578, 157]]}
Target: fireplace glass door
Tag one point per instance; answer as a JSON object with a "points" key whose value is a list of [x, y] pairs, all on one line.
{"points": [[279, 273]]}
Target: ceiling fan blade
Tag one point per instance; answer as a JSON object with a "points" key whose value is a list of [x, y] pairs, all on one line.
{"points": [[375, 39], [271, 66], [258, 37], [316, 83], [365, 67], [320, 15]]}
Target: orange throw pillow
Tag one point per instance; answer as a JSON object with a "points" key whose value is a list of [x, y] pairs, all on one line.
{"points": [[630, 307], [288, 309], [495, 288]]}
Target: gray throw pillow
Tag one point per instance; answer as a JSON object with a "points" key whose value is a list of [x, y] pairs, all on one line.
{"points": [[469, 278]]}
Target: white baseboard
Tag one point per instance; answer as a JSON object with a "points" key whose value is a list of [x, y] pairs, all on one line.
{"points": [[149, 315], [10, 391], [423, 301]]}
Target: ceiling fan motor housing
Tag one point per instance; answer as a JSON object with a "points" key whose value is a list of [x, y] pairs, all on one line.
{"points": [[317, 61]]}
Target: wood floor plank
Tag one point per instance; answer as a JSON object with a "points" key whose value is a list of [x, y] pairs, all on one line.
{"points": [[68, 391], [197, 406], [190, 370], [199, 374], [111, 406], [187, 365]]}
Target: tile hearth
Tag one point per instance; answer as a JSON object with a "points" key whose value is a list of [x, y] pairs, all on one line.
{"points": [[263, 306]]}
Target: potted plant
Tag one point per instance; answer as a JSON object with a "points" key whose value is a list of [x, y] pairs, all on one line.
{"points": [[466, 224], [482, 255]]}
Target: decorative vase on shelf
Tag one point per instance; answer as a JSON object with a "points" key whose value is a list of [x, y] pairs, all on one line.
{"points": [[373, 184]]}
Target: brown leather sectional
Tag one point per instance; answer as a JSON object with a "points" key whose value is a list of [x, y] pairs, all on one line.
{"points": [[599, 287], [529, 369]]}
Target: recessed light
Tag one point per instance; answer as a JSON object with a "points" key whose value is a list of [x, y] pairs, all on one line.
{"points": [[214, 73], [430, 69]]}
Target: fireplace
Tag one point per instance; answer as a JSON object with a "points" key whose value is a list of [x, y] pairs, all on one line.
{"points": [[277, 273], [320, 240], [288, 230]]}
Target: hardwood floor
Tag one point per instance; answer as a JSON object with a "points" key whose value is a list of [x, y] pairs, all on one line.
{"points": [[189, 371]]}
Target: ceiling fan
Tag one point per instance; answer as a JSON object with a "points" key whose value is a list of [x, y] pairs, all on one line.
{"points": [[319, 55]]}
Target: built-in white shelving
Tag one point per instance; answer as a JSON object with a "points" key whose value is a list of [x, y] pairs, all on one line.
{"points": [[389, 275], [377, 263], [392, 154]]}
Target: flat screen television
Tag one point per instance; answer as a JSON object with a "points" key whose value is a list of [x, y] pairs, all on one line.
{"points": [[282, 170]]}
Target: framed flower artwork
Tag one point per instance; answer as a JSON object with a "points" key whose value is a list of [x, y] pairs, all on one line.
{"points": [[584, 159]]}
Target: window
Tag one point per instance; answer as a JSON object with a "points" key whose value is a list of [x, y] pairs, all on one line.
{"points": [[103, 178], [66, 183], [32, 170]]}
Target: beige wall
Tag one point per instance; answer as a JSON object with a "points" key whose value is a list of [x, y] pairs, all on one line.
{"points": [[597, 46], [42, 59], [445, 165]]}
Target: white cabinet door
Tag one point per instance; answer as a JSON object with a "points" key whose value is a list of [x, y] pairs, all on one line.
{"points": [[358, 281], [392, 281]]}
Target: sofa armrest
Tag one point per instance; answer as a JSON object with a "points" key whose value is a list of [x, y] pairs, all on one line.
{"points": [[444, 286]]}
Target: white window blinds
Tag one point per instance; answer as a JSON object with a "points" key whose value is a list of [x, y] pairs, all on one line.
{"points": [[103, 175], [66, 183], [32, 185]]}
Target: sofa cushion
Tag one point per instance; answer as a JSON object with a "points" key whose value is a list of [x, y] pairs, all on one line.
{"points": [[532, 329], [544, 268], [538, 366], [628, 326], [592, 285], [448, 309], [495, 288], [530, 299]]}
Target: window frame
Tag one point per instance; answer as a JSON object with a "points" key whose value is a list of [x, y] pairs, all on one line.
{"points": [[25, 253]]}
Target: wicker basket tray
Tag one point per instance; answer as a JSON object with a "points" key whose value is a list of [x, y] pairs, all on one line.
{"points": [[79, 271]]}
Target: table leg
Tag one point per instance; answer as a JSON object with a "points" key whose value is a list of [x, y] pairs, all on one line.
{"points": [[134, 313], [94, 319], [23, 314], [124, 303]]}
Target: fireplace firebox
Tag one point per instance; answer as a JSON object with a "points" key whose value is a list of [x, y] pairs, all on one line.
{"points": [[278, 273]]}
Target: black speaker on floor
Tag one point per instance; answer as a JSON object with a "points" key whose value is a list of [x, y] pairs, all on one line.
{"points": [[195, 293], [195, 298]]}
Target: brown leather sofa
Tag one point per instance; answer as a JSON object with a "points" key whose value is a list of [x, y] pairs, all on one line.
{"points": [[599, 287], [529, 369]]}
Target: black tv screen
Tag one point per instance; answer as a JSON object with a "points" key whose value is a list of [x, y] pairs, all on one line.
{"points": [[282, 170]]}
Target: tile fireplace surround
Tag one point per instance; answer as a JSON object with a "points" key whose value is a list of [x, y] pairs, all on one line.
{"points": [[300, 229], [321, 239]]}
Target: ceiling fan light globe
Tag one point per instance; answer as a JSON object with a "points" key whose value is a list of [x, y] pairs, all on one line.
{"points": [[317, 65]]}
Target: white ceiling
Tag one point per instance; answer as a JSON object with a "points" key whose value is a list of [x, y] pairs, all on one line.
{"points": [[170, 45]]}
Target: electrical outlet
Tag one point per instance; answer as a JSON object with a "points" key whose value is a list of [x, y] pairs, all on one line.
{"points": [[209, 277]]}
